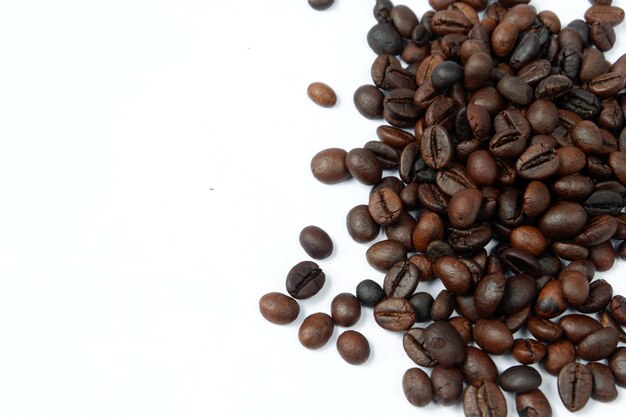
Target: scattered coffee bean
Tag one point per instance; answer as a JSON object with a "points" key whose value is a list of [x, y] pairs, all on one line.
{"points": [[345, 309], [321, 94], [417, 387], [316, 330], [353, 347], [316, 242], [279, 308], [305, 280]]}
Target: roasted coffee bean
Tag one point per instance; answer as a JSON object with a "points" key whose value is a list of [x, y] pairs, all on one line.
{"points": [[600, 294], [402, 230], [598, 168], [535, 71], [544, 330], [520, 378], [529, 239], [617, 308], [401, 280], [520, 262], [470, 240], [454, 274], [572, 160], [528, 351], [488, 294], [345, 309], [602, 35], [404, 20], [321, 94], [429, 228], [361, 226], [353, 347], [516, 90], [384, 254], [321, 4], [607, 85], [363, 165], [414, 345], [604, 202], [582, 102], [558, 354], [450, 21], [427, 67], [532, 404], [536, 199], [481, 168], [464, 327], [466, 307], [610, 14], [551, 301], [563, 220], [601, 229], [444, 344], [441, 112], [387, 156], [477, 71], [422, 302], [394, 137], [368, 100], [316, 330], [503, 38], [453, 179], [553, 86], [606, 320], [278, 308], [492, 336], [593, 64], [508, 143], [316, 242], [570, 61], [617, 363], [410, 197], [432, 198], [575, 287], [598, 345], [385, 206], [383, 38], [575, 384], [447, 385], [573, 187], [443, 306], [538, 162], [484, 401], [603, 382], [617, 162], [369, 293], [446, 74], [329, 166], [489, 98], [527, 50], [395, 314], [382, 10], [463, 207], [569, 38], [399, 108], [519, 292], [305, 280], [437, 147], [576, 327], [478, 367], [417, 387], [425, 95]]}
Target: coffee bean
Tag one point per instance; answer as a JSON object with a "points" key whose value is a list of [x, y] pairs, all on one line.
{"points": [[528, 351], [519, 292], [414, 345], [484, 401], [361, 227], [481, 168], [368, 100], [602, 35], [278, 308], [383, 38], [520, 378], [492, 336], [305, 280], [446, 74], [321, 94], [353, 347], [401, 280], [607, 85], [617, 363], [603, 382], [617, 161], [553, 86], [404, 20], [532, 403], [453, 179], [429, 227], [464, 207], [558, 354], [617, 308], [527, 50], [395, 314], [598, 345], [447, 385], [444, 344], [538, 162], [399, 108], [604, 202], [610, 14], [575, 384], [544, 330], [551, 301], [454, 274], [321, 4], [600, 294], [529, 239], [606, 320], [329, 166], [563, 220], [422, 302], [582, 102], [535, 71], [450, 21], [477, 71], [369, 293], [520, 262], [417, 387], [363, 165], [470, 240], [437, 148], [385, 206], [478, 367], [384, 254], [316, 330], [516, 90], [345, 309], [536, 199], [394, 137], [316, 242], [443, 306]]}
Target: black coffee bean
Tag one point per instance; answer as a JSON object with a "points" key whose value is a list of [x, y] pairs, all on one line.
{"points": [[369, 293], [582, 102], [521, 262], [520, 378], [575, 384], [422, 302], [604, 202], [446, 74], [383, 38], [305, 280], [527, 50]]}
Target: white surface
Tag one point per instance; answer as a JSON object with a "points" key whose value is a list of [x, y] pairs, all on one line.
{"points": [[154, 178]]}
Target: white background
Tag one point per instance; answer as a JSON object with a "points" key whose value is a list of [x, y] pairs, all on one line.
{"points": [[154, 177]]}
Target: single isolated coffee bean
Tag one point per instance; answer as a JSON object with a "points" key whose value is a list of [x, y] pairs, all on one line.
{"points": [[417, 387], [305, 280], [316, 242], [345, 309], [321, 94], [278, 308], [316, 330], [353, 347], [321, 4], [329, 166]]}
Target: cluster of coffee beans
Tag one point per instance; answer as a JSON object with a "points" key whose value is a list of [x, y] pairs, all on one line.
{"points": [[506, 127]]}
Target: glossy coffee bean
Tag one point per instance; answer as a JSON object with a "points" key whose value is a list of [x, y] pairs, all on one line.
{"points": [[486, 400], [321, 4], [316, 330], [492, 336], [401, 280], [478, 367], [488, 294], [329, 166], [316, 242], [563, 220], [385, 206], [532, 403], [558, 354], [575, 287], [363, 165], [577, 327], [520, 378], [482, 168], [447, 385], [384, 254], [417, 387], [544, 330], [454, 274], [305, 280], [600, 294], [538, 162], [395, 314], [429, 228], [353, 347], [551, 301], [575, 385], [278, 308], [464, 207], [414, 345], [528, 351], [369, 293], [322, 94], [598, 345], [617, 363], [536, 199], [443, 306], [368, 100], [345, 309], [444, 344], [604, 388], [361, 226]]}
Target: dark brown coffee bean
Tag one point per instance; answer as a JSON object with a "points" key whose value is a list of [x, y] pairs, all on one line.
{"points": [[558, 354], [617, 363], [484, 401], [528, 351], [593, 64], [582, 102], [519, 292], [492, 336], [576, 327], [361, 226], [551, 301], [553, 86], [316, 330], [463, 327], [543, 116], [508, 143], [447, 385], [563, 220], [432, 198], [602, 35], [606, 320], [384, 254], [345, 309], [368, 100], [453, 179], [610, 14], [363, 165], [454, 274], [572, 160], [443, 306], [535, 71], [417, 387], [305, 280], [321, 94], [463, 207], [429, 228], [402, 230], [427, 67], [575, 287], [328, 166], [617, 162], [598, 345], [488, 294], [316, 242], [528, 48], [573, 187], [441, 112], [450, 21], [395, 314], [321, 4], [385, 206], [532, 404], [520, 378], [387, 156], [603, 382], [575, 384], [503, 38], [470, 240], [404, 20], [278, 308], [529, 239], [538, 162], [604, 202], [516, 90], [600, 294], [394, 137], [617, 308], [607, 85], [446, 74], [477, 71], [544, 330], [489, 98], [481, 167], [353, 347], [399, 108], [536, 199], [570, 251], [444, 344], [414, 345], [401, 280], [520, 262], [437, 148], [478, 367], [603, 256]]}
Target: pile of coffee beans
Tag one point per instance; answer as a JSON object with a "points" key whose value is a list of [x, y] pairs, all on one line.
{"points": [[505, 125]]}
